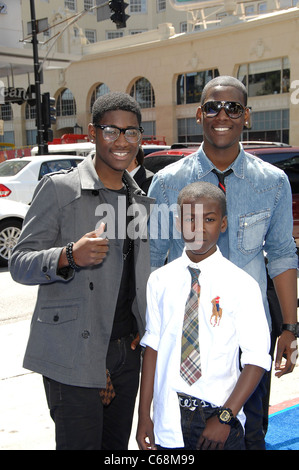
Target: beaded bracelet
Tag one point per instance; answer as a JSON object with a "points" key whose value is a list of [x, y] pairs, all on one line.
{"points": [[69, 255]]}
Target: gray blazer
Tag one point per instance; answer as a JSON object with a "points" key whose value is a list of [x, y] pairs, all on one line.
{"points": [[73, 316]]}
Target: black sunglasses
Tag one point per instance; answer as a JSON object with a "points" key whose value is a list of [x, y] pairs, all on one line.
{"points": [[233, 109]]}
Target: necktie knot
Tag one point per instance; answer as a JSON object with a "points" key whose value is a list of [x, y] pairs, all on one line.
{"points": [[221, 177], [194, 274]]}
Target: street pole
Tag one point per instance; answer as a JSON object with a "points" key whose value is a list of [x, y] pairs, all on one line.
{"points": [[37, 74]]}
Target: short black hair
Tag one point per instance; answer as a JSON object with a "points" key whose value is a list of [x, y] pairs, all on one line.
{"points": [[225, 80], [203, 189], [114, 101]]}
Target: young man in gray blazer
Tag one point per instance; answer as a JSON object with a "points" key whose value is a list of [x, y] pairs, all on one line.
{"points": [[84, 241]]}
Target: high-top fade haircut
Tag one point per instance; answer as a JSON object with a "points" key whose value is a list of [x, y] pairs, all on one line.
{"points": [[202, 189], [224, 80], [115, 101]]}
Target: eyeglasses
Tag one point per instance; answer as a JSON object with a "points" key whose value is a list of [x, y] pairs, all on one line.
{"points": [[112, 133], [233, 109]]}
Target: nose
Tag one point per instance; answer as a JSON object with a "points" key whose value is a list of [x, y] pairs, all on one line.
{"points": [[121, 140], [222, 114]]}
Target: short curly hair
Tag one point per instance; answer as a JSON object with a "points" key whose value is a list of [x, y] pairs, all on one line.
{"points": [[112, 102], [204, 189], [225, 80]]}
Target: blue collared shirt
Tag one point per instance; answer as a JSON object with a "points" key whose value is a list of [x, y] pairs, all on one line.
{"points": [[259, 207]]}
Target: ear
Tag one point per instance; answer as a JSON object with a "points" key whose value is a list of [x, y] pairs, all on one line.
{"points": [[247, 118], [91, 132], [224, 224], [198, 115]]}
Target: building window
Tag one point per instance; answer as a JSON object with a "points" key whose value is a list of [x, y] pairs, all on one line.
{"points": [[66, 105], [143, 93], [262, 7], [249, 11], [100, 90], [91, 35], [114, 34], [269, 126], [6, 113], [266, 78], [190, 85], [183, 27], [8, 137], [88, 4], [149, 128], [30, 111], [189, 130], [137, 6], [161, 5], [70, 4], [31, 136]]}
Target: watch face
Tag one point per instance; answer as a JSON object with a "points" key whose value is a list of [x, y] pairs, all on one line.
{"points": [[225, 416]]}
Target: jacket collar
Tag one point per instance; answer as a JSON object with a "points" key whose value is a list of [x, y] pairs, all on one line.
{"points": [[90, 180], [206, 166]]}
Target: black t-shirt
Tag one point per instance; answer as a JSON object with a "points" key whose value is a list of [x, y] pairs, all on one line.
{"points": [[124, 320]]}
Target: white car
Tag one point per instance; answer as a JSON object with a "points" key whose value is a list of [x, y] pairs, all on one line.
{"points": [[20, 176], [12, 215]]}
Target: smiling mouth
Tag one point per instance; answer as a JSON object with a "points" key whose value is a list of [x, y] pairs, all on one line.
{"points": [[221, 129], [121, 154]]}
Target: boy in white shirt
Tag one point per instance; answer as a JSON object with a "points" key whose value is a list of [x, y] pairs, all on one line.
{"points": [[207, 413]]}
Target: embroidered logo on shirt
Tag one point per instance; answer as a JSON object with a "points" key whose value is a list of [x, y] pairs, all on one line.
{"points": [[216, 313]]}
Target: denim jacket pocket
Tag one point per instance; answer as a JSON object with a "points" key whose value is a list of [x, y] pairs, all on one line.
{"points": [[252, 230]]}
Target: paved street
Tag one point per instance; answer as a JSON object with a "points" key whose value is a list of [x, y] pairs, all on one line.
{"points": [[25, 423]]}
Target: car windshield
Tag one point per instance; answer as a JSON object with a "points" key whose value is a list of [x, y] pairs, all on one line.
{"points": [[12, 167]]}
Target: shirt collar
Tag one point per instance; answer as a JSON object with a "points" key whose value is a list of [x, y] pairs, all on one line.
{"points": [[204, 265], [206, 166]]}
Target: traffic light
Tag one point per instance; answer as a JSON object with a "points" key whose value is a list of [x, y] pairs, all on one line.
{"points": [[119, 16], [48, 115]]}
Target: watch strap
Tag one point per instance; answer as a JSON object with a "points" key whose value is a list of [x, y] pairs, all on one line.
{"points": [[292, 327]]}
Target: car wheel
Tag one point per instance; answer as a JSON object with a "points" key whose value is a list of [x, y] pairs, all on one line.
{"points": [[10, 231]]}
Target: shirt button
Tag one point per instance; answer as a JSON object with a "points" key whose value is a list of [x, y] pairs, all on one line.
{"points": [[56, 318], [91, 285], [85, 334]]}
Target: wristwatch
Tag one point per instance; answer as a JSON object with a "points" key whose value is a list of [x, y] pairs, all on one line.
{"points": [[292, 327], [225, 416]]}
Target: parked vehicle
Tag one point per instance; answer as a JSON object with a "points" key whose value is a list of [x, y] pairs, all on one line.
{"points": [[19, 177], [12, 215], [81, 149]]}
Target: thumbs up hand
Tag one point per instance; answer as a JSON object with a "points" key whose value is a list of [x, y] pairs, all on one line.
{"points": [[90, 250]]}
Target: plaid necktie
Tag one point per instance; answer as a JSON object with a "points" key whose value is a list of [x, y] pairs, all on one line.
{"points": [[190, 369], [221, 177]]}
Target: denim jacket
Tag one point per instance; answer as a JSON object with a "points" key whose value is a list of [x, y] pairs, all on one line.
{"points": [[259, 207]]}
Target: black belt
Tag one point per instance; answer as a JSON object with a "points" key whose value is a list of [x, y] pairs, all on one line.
{"points": [[191, 403]]}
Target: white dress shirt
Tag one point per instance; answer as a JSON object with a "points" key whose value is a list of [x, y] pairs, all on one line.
{"points": [[243, 325]]}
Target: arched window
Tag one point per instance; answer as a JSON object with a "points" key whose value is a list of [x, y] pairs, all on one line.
{"points": [[143, 93], [100, 90], [66, 104]]}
